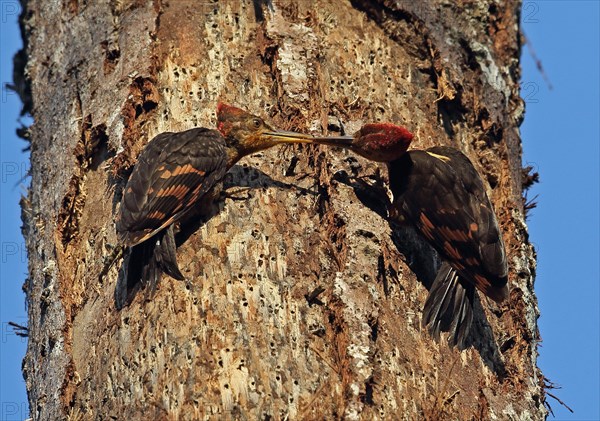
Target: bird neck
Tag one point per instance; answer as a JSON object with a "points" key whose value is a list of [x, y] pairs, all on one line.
{"points": [[233, 156], [398, 172], [237, 149]]}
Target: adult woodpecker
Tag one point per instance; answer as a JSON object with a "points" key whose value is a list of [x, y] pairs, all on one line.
{"points": [[175, 173], [440, 193]]}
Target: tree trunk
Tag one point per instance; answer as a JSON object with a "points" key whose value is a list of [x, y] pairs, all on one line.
{"points": [[249, 336]]}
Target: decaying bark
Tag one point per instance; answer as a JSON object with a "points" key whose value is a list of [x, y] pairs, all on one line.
{"points": [[247, 336]]}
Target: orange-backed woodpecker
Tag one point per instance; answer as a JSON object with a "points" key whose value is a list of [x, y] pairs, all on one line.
{"points": [[174, 173]]}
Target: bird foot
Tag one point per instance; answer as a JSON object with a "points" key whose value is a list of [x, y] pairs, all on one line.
{"points": [[236, 193], [109, 260]]}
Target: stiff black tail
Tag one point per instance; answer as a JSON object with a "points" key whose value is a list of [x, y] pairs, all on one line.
{"points": [[149, 259], [165, 254], [449, 307]]}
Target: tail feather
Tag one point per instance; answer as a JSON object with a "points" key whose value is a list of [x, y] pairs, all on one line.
{"points": [[437, 313], [166, 254], [140, 257], [149, 259], [449, 307]]}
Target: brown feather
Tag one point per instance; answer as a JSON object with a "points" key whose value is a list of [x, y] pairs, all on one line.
{"points": [[441, 193], [173, 173]]}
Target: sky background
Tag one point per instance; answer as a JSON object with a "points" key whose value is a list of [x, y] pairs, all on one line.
{"points": [[561, 137]]}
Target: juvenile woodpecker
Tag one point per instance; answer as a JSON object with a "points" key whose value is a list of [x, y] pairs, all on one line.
{"points": [[174, 173], [440, 193]]}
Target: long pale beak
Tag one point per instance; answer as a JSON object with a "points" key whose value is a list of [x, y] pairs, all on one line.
{"points": [[283, 136]]}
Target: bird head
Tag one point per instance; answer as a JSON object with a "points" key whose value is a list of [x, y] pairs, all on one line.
{"points": [[247, 133], [383, 142]]}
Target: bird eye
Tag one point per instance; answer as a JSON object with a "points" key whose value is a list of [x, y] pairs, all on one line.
{"points": [[256, 122]]}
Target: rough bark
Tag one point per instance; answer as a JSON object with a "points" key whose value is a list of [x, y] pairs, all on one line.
{"points": [[244, 337]]}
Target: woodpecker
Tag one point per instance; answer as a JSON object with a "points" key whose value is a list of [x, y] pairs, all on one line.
{"points": [[175, 173], [440, 193]]}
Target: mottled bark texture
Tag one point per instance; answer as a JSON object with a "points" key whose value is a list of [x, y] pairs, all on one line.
{"points": [[247, 337]]}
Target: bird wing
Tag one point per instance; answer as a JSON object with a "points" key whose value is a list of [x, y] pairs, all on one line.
{"points": [[173, 172], [442, 194]]}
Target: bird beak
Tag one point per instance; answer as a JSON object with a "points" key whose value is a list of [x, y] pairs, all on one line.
{"points": [[283, 136], [340, 141]]}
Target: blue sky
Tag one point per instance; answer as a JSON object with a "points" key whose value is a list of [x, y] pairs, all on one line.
{"points": [[13, 267], [561, 137]]}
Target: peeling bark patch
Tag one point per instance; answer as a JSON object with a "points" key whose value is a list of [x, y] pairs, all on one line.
{"points": [[259, 6], [69, 387], [297, 46], [71, 6], [72, 206], [92, 139], [382, 275], [374, 324], [337, 236], [111, 56], [336, 334], [142, 100], [367, 396]]}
